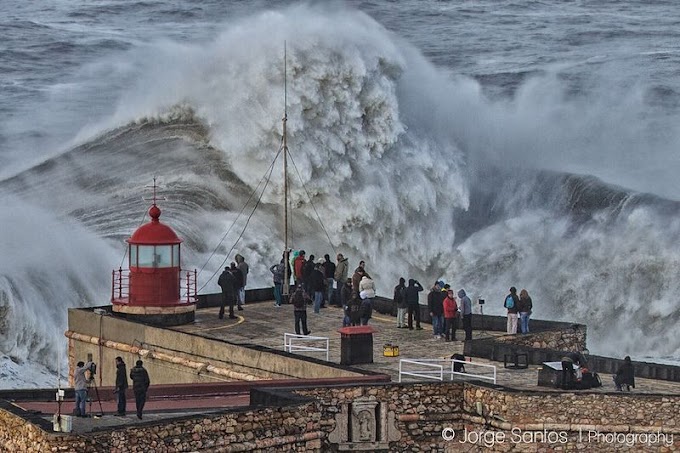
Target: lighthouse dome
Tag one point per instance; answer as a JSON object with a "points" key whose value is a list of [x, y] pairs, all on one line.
{"points": [[154, 232]]}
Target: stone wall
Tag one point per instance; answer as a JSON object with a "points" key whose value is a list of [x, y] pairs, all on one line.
{"points": [[419, 417], [545, 421], [572, 338], [412, 415]]}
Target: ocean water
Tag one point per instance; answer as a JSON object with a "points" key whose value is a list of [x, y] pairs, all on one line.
{"points": [[488, 143]]}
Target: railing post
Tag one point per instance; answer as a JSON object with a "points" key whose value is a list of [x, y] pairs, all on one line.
{"points": [[120, 282], [188, 286]]}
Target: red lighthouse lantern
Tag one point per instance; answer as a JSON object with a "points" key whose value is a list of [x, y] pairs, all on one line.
{"points": [[152, 289]]}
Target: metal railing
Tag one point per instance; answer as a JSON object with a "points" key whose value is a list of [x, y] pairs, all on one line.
{"points": [[438, 368], [289, 340], [120, 285]]}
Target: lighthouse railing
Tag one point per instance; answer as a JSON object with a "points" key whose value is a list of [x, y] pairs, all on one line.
{"points": [[120, 284], [188, 280]]}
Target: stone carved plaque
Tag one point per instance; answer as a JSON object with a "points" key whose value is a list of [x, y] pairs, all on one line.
{"points": [[363, 421], [364, 425]]}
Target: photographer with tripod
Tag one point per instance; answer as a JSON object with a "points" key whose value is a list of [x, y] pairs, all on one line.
{"points": [[80, 379]]}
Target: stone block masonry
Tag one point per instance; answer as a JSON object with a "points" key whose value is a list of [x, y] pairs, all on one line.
{"points": [[432, 417]]}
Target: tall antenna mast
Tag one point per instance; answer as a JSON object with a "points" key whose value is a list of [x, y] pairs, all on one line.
{"points": [[286, 267]]}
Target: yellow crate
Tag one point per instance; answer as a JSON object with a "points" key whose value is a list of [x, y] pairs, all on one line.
{"points": [[390, 350]]}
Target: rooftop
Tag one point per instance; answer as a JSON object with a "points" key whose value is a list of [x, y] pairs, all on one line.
{"points": [[263, 324]]}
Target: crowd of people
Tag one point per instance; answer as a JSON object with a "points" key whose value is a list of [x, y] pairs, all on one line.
{"points": [[321, 282], [233, 283]]}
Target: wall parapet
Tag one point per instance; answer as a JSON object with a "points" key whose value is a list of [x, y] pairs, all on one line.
{"points": [[382, 417]]}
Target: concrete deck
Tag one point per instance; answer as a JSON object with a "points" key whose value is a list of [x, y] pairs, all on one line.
{"points": [[264, 324]]}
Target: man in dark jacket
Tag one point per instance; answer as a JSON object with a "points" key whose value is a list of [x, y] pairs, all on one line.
{"points": [[299, 300], [140, 385], [315, 285], [121, 385], [399, 299], [239, 280], [307, 270], [412, 296], [435, 305], [227, 283], [625, 375], [329, 273]]}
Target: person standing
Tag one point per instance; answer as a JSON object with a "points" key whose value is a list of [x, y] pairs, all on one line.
{"points": [[121, 385], [244, 268], [435, 304], [299, 267], [80, 387], [625, 375], [400, 301], [299, 300], [524, 308], [355, 309], [277, 271], [466, 311], [367, 294], [315, 285], [511, 302], [238, 283], [140, 385], [346, 297], [359, 273], [228, 284], [341, 270], [329, 272], [412, 296], [450, 316]]}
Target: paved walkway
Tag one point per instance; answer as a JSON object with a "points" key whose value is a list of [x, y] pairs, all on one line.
{"points": [[263, 324]]}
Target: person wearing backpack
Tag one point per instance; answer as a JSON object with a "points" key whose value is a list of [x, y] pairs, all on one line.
{"points": [[511, 304]]}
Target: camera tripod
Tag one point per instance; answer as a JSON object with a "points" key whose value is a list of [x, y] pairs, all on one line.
{"points": [[90, 384]]}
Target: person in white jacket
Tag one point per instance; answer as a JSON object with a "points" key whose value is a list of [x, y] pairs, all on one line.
{"points": [[367, 293]]}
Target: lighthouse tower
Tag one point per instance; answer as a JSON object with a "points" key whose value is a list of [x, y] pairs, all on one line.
{"points": [[154, 289]]}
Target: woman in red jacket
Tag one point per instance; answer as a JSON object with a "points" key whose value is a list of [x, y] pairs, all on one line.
{"points": [[450, 316]]}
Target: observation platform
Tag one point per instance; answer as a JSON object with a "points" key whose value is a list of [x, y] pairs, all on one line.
{"points": [[262, 326]]}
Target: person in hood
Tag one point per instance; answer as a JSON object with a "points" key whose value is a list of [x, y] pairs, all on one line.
{"points": [[625, 375], [465, 305]]}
